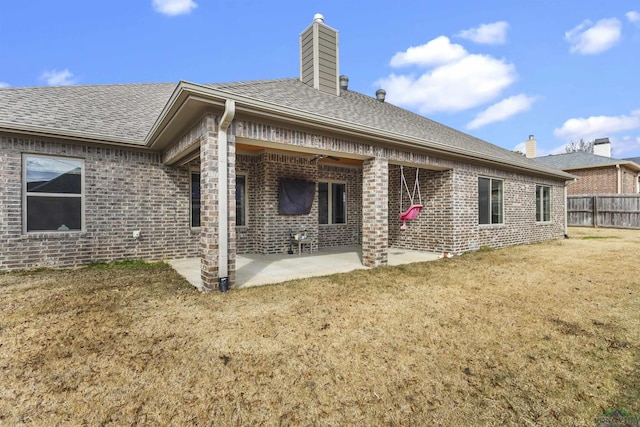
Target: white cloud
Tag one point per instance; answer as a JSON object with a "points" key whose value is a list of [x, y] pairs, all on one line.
{"points": [[589, 39], [625, 146], [3, 84], [454, 80], [494, 33], [597, 126], [438, 51], [174, 7], [502, 110], [633, 16], [58, 78]]}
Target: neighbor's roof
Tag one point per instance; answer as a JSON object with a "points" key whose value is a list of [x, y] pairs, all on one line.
{"points": [[633, 159], [126, 113], [581, 160]]}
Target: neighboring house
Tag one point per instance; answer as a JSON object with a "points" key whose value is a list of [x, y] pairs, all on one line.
{"points": [[165, 171], [597, 173]]}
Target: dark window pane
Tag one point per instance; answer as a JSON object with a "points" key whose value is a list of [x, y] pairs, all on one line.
{"points": [[323, 203], [54, 213], [538, 203], [546, 203], [47, 175], [483, 200], [195, 200], [338, 201], [241, 200]]}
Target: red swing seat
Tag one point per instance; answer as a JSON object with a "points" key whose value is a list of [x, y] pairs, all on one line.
{"points": [[409, 214]]}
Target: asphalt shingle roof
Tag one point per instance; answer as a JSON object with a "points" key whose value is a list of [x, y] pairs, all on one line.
{"points": [[576, 160], [117, 111], [634, 159], [128, 111]]}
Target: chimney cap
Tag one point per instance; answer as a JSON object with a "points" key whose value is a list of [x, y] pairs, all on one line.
{"points": [[380, 94], [531, 137], [319, 18], [599, 141]]}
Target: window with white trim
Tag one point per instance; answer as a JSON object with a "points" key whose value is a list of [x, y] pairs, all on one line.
{"points": [[332, 203], [490, 201], [53, 189], [543, 203]]}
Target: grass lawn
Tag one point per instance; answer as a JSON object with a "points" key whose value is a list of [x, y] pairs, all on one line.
{"points": [[545, 334]]}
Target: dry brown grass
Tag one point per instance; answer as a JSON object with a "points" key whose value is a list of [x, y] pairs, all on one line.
{"points": [[545, 334]]}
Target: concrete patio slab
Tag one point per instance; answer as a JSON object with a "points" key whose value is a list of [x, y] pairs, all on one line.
{"points": [[255, 270]]}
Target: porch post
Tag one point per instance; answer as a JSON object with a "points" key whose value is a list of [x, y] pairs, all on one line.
{"points": [[375, 212], [209, 205]]}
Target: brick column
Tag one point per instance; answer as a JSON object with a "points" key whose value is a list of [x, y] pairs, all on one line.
{"points": [[209, 204], [375, 212]]}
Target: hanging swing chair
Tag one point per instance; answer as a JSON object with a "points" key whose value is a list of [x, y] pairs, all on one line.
{"points": [[414, 208]]}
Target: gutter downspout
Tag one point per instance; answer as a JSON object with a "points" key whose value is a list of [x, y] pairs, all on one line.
{"points": [[223, 190], [619, 179]]}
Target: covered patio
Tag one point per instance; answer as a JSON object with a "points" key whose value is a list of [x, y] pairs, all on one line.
{"points": [[256, 270]]}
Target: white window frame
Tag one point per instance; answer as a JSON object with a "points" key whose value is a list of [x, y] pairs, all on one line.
{"points": [[542, 211], [330, 202], [26, 194], [502, 207]]}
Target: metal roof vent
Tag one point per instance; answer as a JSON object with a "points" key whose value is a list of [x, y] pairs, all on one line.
{"points": [[318, 18], [380, 94], [344, 82]]}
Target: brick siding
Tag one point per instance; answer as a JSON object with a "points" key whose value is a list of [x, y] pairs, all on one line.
{"points": [[603, 181], [125, 190], [266, 231], [130, 190]]}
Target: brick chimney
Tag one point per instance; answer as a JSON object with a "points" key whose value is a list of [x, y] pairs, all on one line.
{"points": [[602, 147], [530, 147], [319, 56]]}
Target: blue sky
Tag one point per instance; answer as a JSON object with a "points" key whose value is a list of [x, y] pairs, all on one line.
{"points": [[497, 69]]}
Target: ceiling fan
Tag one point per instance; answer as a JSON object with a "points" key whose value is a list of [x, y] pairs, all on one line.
{"points": [[324, 156]]}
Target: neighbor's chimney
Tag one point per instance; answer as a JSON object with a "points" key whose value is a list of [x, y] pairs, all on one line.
{"points": [[602, 147], [319, 56], [530, 147], [381, 94]]}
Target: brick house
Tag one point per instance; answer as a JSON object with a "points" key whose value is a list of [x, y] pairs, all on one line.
{"points": [[598, 172], [167, 171]]}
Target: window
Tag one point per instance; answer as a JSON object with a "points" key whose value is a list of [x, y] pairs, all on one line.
{"points": [[241, 199], [53, 193], [543, 203], [332, 203], [490, 201], [195, 199]]}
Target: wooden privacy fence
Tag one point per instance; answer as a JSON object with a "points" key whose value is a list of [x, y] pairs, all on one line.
{"points": [[617, 210]]}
